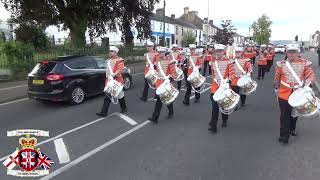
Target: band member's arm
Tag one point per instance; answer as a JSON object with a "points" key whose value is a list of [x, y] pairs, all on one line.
{"points": [[120, 67], [309, 74], [199, 62], [248, 66], [277, 77]]}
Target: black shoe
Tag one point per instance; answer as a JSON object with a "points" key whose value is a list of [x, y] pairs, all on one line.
{"points": [[294, 133], [196, 100], [186, 103], [283, 140], [102, 114], [143, 99], [242, 105], [212, 129], [124, 110], [224, 124], [154, 97], [170, 116], [153, 120]]}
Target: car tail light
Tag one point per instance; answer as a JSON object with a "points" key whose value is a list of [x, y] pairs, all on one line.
{"points": [[54, 77], [45, 62]]}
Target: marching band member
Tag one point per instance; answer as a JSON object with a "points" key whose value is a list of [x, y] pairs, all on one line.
{"points": [[198, 63], [154, 56], [285, 84], [262, 62], [246, 65], [226, 69], [179, 57], [270, 57], [250, 54], [162, 64], [207, 60], [117, 66]]}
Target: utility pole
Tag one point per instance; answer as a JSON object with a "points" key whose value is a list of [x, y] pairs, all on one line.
{"points": [[164, 23], [208, 24]]}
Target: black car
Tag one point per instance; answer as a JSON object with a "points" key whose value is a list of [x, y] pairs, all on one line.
{"points": [[71, 78]]}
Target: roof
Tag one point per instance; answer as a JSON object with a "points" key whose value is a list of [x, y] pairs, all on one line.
{"points": [[170, 20]]}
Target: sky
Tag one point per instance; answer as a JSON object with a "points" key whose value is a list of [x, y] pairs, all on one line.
{"points": [[290, 18]]}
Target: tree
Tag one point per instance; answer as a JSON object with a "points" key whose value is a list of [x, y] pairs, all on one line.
{"points": [[261, 30], [225, 35], [96, 16], [188, 38], [31, 34]]}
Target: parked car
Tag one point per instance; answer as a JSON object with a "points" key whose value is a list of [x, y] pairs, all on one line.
{"points": [[71, 78], [280, 49]]}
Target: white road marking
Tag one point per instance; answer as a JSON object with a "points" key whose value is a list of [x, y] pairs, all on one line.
{"points": [[62, 151], [92, 152], [11, 102], [137, 74], [128, 119], [183, 89], [13, 87], [67, 132]]}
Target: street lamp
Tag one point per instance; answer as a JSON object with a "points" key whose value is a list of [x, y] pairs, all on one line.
{"points": [[164, 23]]}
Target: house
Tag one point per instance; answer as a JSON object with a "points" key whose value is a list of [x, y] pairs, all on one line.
{"points": [[209, 30], [7, 29], [193, 18], [314, 39]]}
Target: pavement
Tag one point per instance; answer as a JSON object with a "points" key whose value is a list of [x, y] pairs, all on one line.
{"points": [[128, 147]]}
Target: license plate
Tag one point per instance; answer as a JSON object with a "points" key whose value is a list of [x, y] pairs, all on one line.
{"points": [[37, 82]]}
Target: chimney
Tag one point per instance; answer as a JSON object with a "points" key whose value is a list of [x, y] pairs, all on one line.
{"points": [[173, 16], [186, 10], [159, 12], [211, 22], [205, 20]]}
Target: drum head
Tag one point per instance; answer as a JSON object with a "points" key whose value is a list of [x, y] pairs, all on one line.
{"points": [[245, 79], [219, 94], [299, 97]]}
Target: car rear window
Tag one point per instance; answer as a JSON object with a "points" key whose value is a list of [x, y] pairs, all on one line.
{"points": [[44, 68]]}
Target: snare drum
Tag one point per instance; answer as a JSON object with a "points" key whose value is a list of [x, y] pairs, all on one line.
{"points": [[167, 92], [305, 102], [247, 85]]}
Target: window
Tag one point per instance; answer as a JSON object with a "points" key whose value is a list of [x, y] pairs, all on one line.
{"points": [[177, 29], [81, 63], [152, 26], [101, 63], [160, 26], [177, 41], [182, 31], [168, 28]]}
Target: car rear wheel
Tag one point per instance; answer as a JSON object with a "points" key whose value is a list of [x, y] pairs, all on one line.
{"points": [[127, 83], [77, 95]]}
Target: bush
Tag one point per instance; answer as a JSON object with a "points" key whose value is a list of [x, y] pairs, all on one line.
{"points": [[19, 57], [30, 34]]}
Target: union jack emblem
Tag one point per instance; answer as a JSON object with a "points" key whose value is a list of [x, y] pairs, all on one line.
{"points": [[44, 161], [28, 160]]}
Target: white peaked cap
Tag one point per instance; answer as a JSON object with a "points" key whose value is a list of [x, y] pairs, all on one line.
{"points": [[239, 49], [292, 48], [192, 46], [219, 47], [149, 43], [113, 48], [174, 45]]}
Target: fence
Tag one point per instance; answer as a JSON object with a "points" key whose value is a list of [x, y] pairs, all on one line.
{"points": [[56, 51]]}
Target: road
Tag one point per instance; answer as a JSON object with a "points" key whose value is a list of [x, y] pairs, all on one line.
{"points": [[131, 148]]}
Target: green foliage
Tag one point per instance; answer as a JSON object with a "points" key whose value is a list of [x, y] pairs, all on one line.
{"points": [[98, 17], [261, 30], [19, 57], [225, 35], [188, 38], [30, 34]]}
